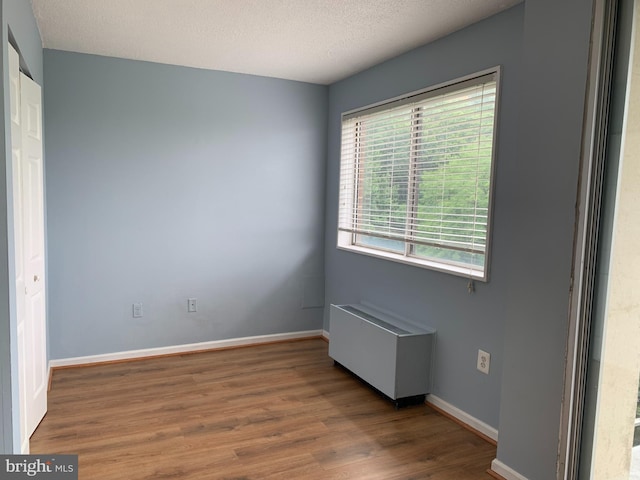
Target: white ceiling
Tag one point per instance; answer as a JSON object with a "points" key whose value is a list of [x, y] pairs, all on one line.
{"points": [[318, 41]]}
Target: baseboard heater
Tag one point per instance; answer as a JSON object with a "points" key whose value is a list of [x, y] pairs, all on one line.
{"points": [[387, 352]]}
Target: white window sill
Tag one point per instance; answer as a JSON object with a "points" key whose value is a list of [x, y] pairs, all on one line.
{"points": [[465, 272]]}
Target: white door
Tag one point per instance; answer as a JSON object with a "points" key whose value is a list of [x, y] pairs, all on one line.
{"points": [[28, 209], [33, 235], [16, 154]]}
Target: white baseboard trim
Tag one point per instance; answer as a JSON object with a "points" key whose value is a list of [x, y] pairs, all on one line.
{"points": [[325, 334], [505, 471], [191, 347], [464, 417]]}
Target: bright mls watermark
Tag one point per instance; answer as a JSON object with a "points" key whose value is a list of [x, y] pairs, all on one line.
{"points": [[50, 467]]}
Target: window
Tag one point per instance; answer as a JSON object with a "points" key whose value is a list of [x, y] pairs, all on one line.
{"points": [[415, 177]]}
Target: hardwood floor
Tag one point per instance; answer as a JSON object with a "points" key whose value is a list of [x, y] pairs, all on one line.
{"points": [[270, 411]]}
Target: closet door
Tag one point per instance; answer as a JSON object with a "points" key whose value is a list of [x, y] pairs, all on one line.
{"points": [[33, 229], [28, 210]]}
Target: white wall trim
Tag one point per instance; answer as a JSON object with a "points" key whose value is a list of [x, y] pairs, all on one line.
{"points": [[464, 417], [191, 347], [325, 334], [505, 471]]}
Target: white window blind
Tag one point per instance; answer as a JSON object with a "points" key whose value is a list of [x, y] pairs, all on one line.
{"points": [[415, 176]]}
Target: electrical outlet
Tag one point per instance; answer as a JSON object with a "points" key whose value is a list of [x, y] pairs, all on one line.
{"points": [[192, 305], [484, 361], [137, 310]]}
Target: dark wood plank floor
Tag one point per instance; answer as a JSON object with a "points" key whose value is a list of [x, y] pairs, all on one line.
{"points": [[271, 411]]}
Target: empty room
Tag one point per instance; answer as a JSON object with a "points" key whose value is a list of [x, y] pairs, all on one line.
{"points": [[359, 239]]}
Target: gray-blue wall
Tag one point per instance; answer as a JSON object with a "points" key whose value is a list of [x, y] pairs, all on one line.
{"points": [[165, 183], [543, 194], [464, 322], [521, 315], [17, 18]]}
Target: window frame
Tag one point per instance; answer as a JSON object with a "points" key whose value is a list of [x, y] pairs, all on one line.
{"points": [[347, 240]]}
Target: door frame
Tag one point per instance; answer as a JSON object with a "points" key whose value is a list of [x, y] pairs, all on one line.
{"points": [[586, 234]]}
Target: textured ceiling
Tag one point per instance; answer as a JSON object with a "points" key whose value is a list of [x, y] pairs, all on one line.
{"points": [[318, 41]]}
